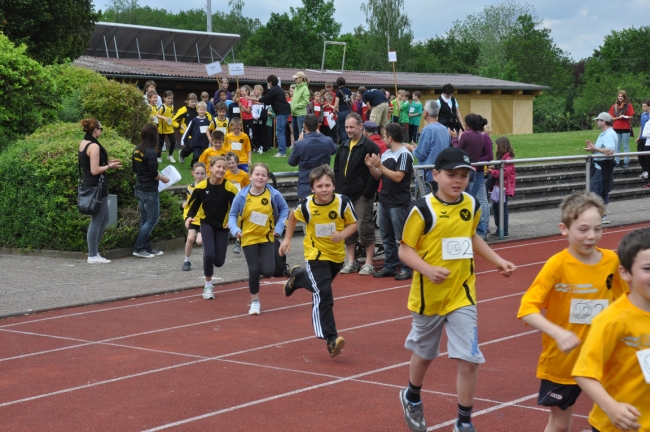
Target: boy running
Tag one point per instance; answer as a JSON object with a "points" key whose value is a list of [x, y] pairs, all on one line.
{"points": [[330, 219], [216, 149], [573, 286], [438, 243], [614, 363], [239, 143]]}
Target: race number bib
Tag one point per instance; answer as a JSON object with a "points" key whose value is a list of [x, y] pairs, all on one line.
{"points": [[411, 110], [258, 218], [155, 120], [325, 230], [644, 362], [316, 109], [203, 128], [236, 146], [583, 311], [235, 110], [222, 129], [169, 122], [457, 248]]}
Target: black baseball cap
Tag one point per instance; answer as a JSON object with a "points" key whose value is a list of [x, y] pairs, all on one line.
{"points": [[452, 158]]}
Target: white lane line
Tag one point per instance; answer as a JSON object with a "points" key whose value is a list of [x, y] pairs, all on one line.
{"points": [[315, 387]]}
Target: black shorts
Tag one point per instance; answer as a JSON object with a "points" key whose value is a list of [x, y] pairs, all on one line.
{"points": [[196, 228], [562, 396], [593, 429]]}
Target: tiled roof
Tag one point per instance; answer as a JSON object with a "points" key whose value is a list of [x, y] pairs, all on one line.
{"points": [[133, 68]]}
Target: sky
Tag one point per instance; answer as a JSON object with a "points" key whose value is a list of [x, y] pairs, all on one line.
{"points": [[577, 26]]}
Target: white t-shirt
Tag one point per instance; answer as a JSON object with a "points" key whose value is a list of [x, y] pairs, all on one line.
{"points": [[448, 102]]}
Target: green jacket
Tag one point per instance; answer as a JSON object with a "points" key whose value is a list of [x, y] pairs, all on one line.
{"points": [[300, 100]]}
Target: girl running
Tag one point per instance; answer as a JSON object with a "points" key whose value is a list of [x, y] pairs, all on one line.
{"points": [[194, 231], [257, 216]]}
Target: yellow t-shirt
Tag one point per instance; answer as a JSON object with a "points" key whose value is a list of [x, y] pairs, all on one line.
{"points": [[153, 111], [428, 222], [222, 125], [321, 219], [609, 355], [208, 154], [199, 213], [163, 126], [240, 180], [256, 220], [352, 144], [239, 145], [562, 287]]}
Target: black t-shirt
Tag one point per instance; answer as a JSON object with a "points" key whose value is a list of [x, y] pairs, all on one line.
{"points": [[374, 97], [89, 178], [276, 98], [145, 165], [395, 194], [345, 99]]}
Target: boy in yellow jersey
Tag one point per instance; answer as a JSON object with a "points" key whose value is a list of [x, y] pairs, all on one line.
{"points": [[216, 149], [438, 243], [165, 128], [194, 231], [239, 143], [234, 175], [220, 122], [573, 286], [613, 367], [329, 218]]}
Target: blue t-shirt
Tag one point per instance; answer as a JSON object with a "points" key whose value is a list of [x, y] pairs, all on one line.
{"points": [[434, 138], [608, 140], [374, 97]]}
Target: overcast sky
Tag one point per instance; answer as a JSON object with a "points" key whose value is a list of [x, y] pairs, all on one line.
{"points": [[577, 26]]}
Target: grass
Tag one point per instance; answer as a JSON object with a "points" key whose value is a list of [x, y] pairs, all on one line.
{"points": [[525, 146]]}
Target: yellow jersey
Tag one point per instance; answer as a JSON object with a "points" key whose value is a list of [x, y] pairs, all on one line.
{"points": [[613, 354], [256, 220], [352, 144], [208, 154], [240, 180], [322, 220], [221, 125], [571, 292], [199, 214], [239, 145], [430, 226], [165, 127], [153, 112]]}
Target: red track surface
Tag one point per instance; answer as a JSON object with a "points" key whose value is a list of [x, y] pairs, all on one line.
{"points": [[177, 361]]}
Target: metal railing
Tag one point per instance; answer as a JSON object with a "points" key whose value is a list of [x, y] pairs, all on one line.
{"points": [[420, 170]]}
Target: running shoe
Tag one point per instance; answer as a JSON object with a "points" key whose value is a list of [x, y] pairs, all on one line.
{"points": [[187, 266], [171, 159], [288, 285], [464, 427], [350, 267], [98, 260], [604, 220], [403, 275], [155, 252], [367, 269], [280, 155], [142, 254], [335, 346], [384, 273], [208, 294], [413, 413], [181, 159], [255, 308], [159, 160], [644, 175], [237, 248], [260, 150]]}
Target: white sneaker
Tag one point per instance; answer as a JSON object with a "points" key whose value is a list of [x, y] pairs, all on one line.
{"points": [[164, 147], [159, 160], [349, 267], [279, 155], [255, 308], [644, 175], [604, 220], [367, 269], [171, 159], [181, 159], [98, 260], [260, 150], [208, 294]]}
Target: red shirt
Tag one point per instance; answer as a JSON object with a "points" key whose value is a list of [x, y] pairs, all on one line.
{"points": [[622, 123], [245, 103]]}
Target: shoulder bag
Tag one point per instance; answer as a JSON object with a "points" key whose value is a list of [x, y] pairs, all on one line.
{"points": [[89, 198]]}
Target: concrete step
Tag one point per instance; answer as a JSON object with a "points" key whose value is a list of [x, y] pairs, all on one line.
{"points": [[564, 189], [554, 201]]}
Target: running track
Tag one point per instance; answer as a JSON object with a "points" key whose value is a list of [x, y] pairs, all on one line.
{"points": [[182, 363]]}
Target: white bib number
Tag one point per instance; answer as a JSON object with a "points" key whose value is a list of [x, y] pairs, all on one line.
{"points": [[236, 146], [235, 110], [169, 122], [457, 248], [222, 129], [258, 218], [583, 311], [155, 120], [325, 230], [203, 128], [644, 362], [412, 110]]}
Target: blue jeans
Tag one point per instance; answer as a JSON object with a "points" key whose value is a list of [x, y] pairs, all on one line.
{"points": [[495, 212], [477, 190], [340, 122], [149, 203], [280, 126], [297, 126], [391, 225], [624, 142]]}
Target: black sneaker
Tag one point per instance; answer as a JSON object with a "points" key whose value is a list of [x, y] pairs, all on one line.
{"points": [[384, 273], [335, 346], [155, 252], [187, 266], [403, 275], [288, 285], [496, 235]]}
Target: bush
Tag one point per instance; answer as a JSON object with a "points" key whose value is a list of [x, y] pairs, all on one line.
{"points": [[26, 101], [69, 82], [550, 114], [39, 194], [117, 105]]}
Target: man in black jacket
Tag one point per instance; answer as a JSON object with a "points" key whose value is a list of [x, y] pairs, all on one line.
{"points": [[353, 180], [281, 108]]}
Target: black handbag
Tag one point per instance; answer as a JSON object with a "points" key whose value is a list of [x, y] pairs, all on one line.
{"points": [[89, 198]]}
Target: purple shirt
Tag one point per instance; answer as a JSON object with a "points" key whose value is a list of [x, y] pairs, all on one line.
{"points": [[216, 96], [474, 144]]}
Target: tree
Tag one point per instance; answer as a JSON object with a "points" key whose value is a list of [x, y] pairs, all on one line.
{"points": [[388, 30], [622, 52], [53, 31], [444, 55]]}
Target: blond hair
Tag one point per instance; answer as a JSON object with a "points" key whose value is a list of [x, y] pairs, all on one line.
{"points": [[577, 203]]}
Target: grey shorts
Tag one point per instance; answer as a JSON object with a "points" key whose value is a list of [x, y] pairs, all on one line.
{"points": [[363, 207], [462, 335]]}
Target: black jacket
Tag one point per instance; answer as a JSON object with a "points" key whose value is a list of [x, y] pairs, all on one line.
{"points": [[278, 101], [358, 180]]}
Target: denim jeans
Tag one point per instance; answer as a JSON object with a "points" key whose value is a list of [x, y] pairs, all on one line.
{"points": [[340, 123], [624, 143], [149, 203], [477, 190], [391, 225], [495, 212], [280, 126], [297, 126], [602, 181], [96, 228]]}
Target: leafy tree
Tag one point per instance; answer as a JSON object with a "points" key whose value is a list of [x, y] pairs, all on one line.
{"points": [[624, 51], [53, 31], [444, 55], [388, 30]]}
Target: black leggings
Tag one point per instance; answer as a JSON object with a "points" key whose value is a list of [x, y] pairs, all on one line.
{"points": [[161, 142], [215, 245], [260, 258]]}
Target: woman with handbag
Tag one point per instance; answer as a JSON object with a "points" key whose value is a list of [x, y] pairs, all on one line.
{"points": [[93, 161], [622, 113]]}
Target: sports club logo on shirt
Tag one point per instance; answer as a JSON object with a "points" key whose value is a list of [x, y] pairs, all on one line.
{"points": [[640, 342], [609, 280], [575, 288], [332, 215], [465, 215], [265, 201]]}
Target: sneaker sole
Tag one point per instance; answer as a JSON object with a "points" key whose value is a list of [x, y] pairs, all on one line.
{"points": [[142, 256], [254, 312], [208, 298], [288, 289], [340, 343]]}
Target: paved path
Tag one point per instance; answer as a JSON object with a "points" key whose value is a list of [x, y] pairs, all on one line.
{"points": [[32, 283]]}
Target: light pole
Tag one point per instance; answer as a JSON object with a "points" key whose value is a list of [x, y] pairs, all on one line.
{"points": [[209, 10]]}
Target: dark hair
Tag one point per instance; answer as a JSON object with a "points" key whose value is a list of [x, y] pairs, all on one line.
{"points": [[394, 131], [340, 81], [272, 79], [222, 91], [217, 135], [417, 93], [503, 147], [647, 102], [448, 89], [475, 122], [320, 171], [148, 84], [149, 137], [221, 106], [630, 246], [231, 155], [167, 94], [311, 122], [90, 124], [355, 116], [151, 93], [361, 89]]}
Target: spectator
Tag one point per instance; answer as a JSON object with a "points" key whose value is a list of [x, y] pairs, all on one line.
{"points": [[353, 180], [377, 104], [449, 109], [310, 151], [641, 141], [371, 130], [434, 138], [622, 113], [344, 96], [224, 87], [281, 109], [299, 102], [602, 167]]}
